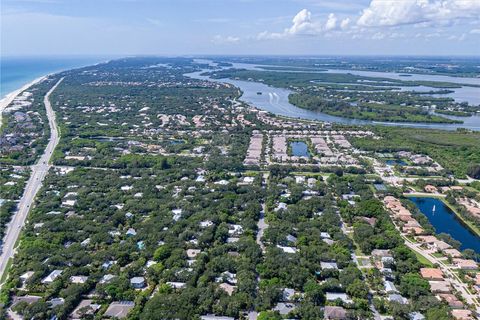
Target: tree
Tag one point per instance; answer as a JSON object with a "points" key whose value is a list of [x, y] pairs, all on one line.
{"points": [[474, 171], [269, 315], [414, 286], [437, 314], [358, 289]]}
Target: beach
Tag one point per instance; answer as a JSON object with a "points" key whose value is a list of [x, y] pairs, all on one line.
{"points": [[12, 95]]}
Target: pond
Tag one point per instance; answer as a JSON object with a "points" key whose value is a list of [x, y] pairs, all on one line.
{"points": [[394, 162], [299, 149], [444, 220]]}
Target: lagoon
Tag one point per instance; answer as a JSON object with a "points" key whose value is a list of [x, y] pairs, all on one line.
{"points": [[275, 100], [444, 220]]}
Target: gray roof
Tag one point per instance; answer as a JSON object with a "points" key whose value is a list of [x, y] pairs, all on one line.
{"points": [[119, 309]]}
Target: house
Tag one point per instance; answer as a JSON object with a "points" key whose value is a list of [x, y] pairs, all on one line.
{"points": [[379, 253], [228, 277], [107, 278], [333, 296], [192, 253], [430, 189], [334, 313], [235, 229], [465, 264], [228, 288], [27, 275], [287, 249], [119, 309], [55, 302], [325, 235], [452, 300], [137, 282], [177, 285], [462, 314], [291, 238], [29, 299], [389, 287], [288, 294], [284, 308], [86, 307], [431, 274], [328, 265], [177, 214], [206, 224], [395, 297], [52, 276], [214, 317], [427, 239], [78, 279], [441, 245], [454, 253], [131, 232], [416, 316], [439, 286]]}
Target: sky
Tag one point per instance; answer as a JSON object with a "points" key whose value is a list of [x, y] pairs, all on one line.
{"points": [[240, 27]]}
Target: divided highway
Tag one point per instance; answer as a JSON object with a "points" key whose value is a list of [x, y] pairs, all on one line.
{"points": [[39, 171]]}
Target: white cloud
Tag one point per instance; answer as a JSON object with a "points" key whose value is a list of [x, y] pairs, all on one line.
{"points": [[401, 12], [331, 22], [345, 23], [302, 24], [219, 39], [475, 31]]}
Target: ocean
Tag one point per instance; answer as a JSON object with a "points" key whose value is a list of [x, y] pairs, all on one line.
{"points": [[18, 71]]}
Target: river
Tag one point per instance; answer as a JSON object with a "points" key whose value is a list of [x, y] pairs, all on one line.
{"points": [[275, 100], [445, 221]]}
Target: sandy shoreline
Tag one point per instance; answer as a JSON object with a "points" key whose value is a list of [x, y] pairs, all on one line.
{"points": [[12, 95], [4, 102]]}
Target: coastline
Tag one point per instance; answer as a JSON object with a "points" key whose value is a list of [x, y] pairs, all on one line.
{"points": [[8, 98], [12, 95]]}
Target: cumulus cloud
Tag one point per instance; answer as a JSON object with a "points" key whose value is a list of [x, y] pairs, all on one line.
{"points": [[331, 22], [394, 12], [475, 31], [345, 23], [304, 24]]}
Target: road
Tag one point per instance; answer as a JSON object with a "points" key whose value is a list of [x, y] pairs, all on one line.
{"points": [[39, 171], [453, 278]]}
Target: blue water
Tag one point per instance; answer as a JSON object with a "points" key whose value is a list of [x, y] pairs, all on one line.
{"points": [[18, 71], [445, 221], [299, 149], [392, 162]]}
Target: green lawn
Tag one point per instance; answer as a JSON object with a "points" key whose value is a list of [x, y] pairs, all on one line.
{"points": [[423, 260]]}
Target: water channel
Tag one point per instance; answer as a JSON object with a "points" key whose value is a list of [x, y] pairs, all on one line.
{"points": [[275, 100]]}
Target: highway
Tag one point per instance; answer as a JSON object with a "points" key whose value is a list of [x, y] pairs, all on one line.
{"points": [[39, 171]]}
